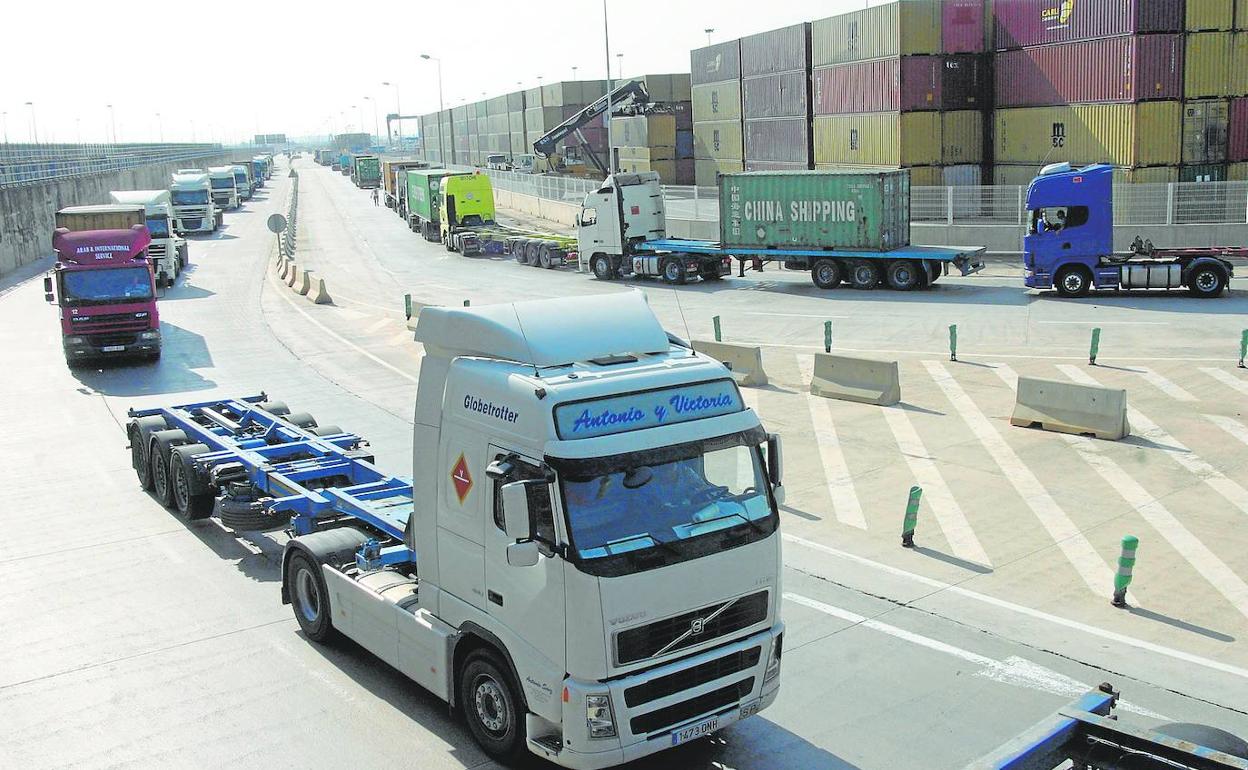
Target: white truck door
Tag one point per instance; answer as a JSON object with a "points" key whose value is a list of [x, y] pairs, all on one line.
{"points": [[528, 601]]}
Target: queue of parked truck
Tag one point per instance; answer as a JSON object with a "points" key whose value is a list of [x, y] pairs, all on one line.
{"points": [[114, 258]]}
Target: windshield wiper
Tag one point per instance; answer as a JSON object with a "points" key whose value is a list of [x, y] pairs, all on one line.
{"points": [[664, 544], [754, 525]]}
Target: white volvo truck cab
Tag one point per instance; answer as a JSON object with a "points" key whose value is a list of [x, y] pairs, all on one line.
{"points": [[193, 209], [167, 250], [224, 187], [591, 571]]}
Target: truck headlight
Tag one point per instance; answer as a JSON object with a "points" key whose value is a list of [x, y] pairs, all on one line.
{"points": [[75, 340], [773, 658], [150, 335], [599, 716]]}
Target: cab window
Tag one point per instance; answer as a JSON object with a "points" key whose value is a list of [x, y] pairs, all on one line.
{"points": [[589, 216], [1056, 218]]}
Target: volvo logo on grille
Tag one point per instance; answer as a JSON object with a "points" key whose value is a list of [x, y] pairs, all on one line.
{"points": [[697, 626]]}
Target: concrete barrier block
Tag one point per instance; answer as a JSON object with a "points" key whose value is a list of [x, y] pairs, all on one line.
{"points": [[321, 295], [292, 275], [852, 378], [305, 283], [745, 361], [416, 308], [1068, 407]]}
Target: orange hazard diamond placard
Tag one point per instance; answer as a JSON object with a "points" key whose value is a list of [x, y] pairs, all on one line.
{"points": [[461, 478]]}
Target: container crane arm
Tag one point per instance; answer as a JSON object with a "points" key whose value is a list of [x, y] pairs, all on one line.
{"points": [[634, 91]]}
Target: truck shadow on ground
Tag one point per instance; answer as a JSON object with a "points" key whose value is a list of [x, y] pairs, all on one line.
{"points": [[183, 351], [941, 293], [1234, 302]]}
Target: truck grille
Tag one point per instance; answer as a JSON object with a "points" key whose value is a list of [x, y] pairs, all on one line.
{"points": [[156, 250], [192, 224], [680, 712], [107, 340], [690, 628], [111, 322], [693, 677]]}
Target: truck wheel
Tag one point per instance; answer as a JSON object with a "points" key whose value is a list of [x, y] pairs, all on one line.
{"points": [[903, 275], [300, 419], [276, 408], [864, 275], [309, 597], [543, 256], [826, 273], [139, 431], [192, 498], [247, 514], [158, 453], [601, 265], [1073, 281], [709, 271], [1206, 281], [446, 242], [492, 707], [532, 253], [673, 270]]}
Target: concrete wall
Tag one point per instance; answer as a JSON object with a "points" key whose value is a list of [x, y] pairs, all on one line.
{"points": [[27, 213], [554, 211]]}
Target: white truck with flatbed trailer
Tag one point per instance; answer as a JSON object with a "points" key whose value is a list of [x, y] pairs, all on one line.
{"points": [[167, 250], [586, 562]]}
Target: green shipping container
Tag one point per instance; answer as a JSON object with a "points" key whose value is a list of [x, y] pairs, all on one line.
{"points": [[422, 192], [857, 209], [367, 168]]}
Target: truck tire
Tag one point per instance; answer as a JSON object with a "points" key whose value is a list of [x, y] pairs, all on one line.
{"points": [[864, 275], [543, 255], [673, 270], [301, 419], [1073, 281], [326, 430], [446, 242], [709, 271], [247, 514], [192, 497], [904, 275], [309, 597], [139, 431], [276, 408], [601, 265], [492, 707], [1206, 281], [159, 450], [826, 273], [532, 253]]}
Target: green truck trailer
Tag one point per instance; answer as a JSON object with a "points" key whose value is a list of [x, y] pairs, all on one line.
{"points": [[366, 171], [424, 186]]}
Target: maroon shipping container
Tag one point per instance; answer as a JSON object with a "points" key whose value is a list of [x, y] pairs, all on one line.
{"points": [[911, 83], [1020, 23], [780, 50], [1237, 150], [1115, 69], [778, 139], [775, 96], [962, 26], [773, 165], [716, 63]]}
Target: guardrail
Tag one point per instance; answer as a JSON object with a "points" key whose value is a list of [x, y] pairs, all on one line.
{"points": [[1173, 203], [24, 164]]}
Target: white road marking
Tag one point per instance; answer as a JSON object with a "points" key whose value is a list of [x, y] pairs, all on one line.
{"points": [[1227, 379], [1231, 426], [1142, 426], [377, 325], [1014, 670], [1162, 383], [1108, 323], [835, 470], [794, 315], [1204, 561], [1075, 625], [1079, 552], [945, 508]]}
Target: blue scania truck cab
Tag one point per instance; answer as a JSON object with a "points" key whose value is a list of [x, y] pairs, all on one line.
{"points": [[1069, 243]]}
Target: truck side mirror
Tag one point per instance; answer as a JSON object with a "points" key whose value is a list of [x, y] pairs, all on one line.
{"points": [[522, 554], [775, 466], [47, 288], [517, 519]]}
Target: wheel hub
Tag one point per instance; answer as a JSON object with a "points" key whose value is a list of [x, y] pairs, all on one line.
{"points": [[181, 488], [1206, 280], [491, 706], [309, 601]]}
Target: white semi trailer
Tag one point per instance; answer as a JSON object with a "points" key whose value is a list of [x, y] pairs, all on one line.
{"points": [[167, 250]]}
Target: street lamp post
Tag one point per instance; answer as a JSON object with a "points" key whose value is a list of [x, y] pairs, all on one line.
{"points": [[398, 110], [441, 106], [708, 32], [606, 37], [160, 128], [619, 72], [4, 125], [34, 126], [573, 72]]}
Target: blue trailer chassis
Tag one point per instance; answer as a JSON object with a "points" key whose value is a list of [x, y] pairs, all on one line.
{"points": [[962, 257], [318, 480]]}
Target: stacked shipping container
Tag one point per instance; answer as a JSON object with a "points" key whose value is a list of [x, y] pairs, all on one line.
{"points": [[775, 99], [718, 139], [662, 139], [903, 84]]}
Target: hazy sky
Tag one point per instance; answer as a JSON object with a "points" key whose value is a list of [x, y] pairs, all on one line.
{"points": [[235, 68]]}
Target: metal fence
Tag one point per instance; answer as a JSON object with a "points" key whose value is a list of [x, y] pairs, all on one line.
{"points": [[1176, 203], [22, 164]]}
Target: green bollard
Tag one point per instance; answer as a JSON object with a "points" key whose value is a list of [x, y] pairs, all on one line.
{"points": [[718, 336], [827, 336], [953, 342], [1243, 349], [1096, 346], [912, 517], [467, 303], [1126, 564], [407, 305]]}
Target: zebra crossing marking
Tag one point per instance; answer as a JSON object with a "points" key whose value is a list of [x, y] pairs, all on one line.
{"points": [[835, 470], [1162, 383], [1227, 379]]}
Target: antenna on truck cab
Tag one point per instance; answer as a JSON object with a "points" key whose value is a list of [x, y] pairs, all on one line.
{"points": [[532, 358]]}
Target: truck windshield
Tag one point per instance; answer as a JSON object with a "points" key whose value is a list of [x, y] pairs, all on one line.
{"points": [[223, 184], [665, 498], [101, 287], [240, 179], [189, 197], [158, 227]]}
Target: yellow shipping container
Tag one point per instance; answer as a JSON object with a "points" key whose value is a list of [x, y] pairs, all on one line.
{"points": [[719, 139], [717, 101], [1023, 174], [891, 29], [1209, 14], [665, 168], [1208, 63], [1239, 64], [646, 153], [1128, 135], [900, 138], [705, 170], [1241, 14]]}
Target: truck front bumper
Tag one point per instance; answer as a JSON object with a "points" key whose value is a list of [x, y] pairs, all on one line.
{"points": [[694, 711], [87, 347], [1037, 280]]}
